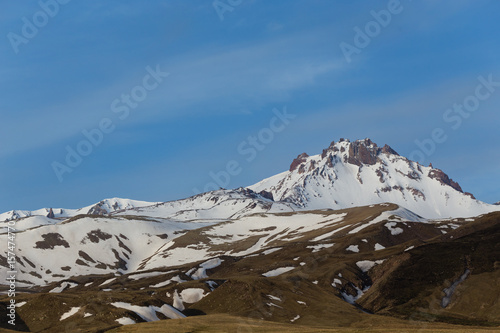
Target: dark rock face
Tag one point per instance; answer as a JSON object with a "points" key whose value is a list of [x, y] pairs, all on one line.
{"points": [[444, 179], [85, 256], [473, 197], [267, 195], [363, 152], [50, 241], [497, 203], [98, 209], [386, 149], [51, 215], [416, 193], [247, 192], [366, 152], [298, 161], [96, 235]]}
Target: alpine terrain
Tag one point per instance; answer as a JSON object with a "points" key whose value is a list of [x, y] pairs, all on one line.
{"points": [[357, 237]]}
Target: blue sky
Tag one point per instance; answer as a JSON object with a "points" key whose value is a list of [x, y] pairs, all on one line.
{"points": [[230, 69]]}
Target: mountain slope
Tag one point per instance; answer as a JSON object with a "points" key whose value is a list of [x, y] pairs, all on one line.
{"points": [[86, 245], [356, 229], [359, 173], [215, 205], [91, 244], [103, 207], [314, 268]]}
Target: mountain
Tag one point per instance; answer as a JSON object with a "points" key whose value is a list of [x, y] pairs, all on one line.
{"points": [[356, 237], [103, 207], [215, 205], [379, 265], [349, 174], [346, 174], [132, 237]]}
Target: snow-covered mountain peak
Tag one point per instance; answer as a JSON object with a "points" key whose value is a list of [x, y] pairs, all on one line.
{"points": [[358, 173], [108, 206], [104, 207]]}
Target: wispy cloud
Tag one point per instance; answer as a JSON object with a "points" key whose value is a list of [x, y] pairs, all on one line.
{"points": [[242, 78]]}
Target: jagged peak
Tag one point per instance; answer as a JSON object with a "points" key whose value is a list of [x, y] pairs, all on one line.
{"points": [[360, 172], [444, 179], [298, 161], [386, 149], [358, 152]]}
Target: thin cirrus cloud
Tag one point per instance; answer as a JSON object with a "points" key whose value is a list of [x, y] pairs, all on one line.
{"points": [[246, 77], [250, 76]]}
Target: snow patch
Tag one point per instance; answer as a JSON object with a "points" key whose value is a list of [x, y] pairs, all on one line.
{"points": [[147, 275], [317, 248], [366, 265], [353, 248], [178, 301], [392, 227], [274, 298], [329, 234], [335, 282], [272, 304], [69, 313], [167, 282], [352, 299], [266, 252], [148, 313], [125, 321], [201, 273], [63, 286], [448, 292], [277, 271], [107, 281], [192, 295]]}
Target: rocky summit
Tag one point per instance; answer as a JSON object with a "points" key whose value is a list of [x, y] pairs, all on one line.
{"points": [[350, 174]]}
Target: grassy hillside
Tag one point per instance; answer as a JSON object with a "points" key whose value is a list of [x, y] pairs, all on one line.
{"points": [[226, 323], [345, 275]]}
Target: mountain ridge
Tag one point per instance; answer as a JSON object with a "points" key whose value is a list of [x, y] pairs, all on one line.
{"points": [[344, 170]]}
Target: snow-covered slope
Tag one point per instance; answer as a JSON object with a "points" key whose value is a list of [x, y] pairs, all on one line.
{"points": [[103, 207], [216, 205], [359, 173], [99, 245], [90, 245]]}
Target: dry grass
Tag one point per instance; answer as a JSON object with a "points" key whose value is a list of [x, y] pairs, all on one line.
{"points": [[226, 323]]}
